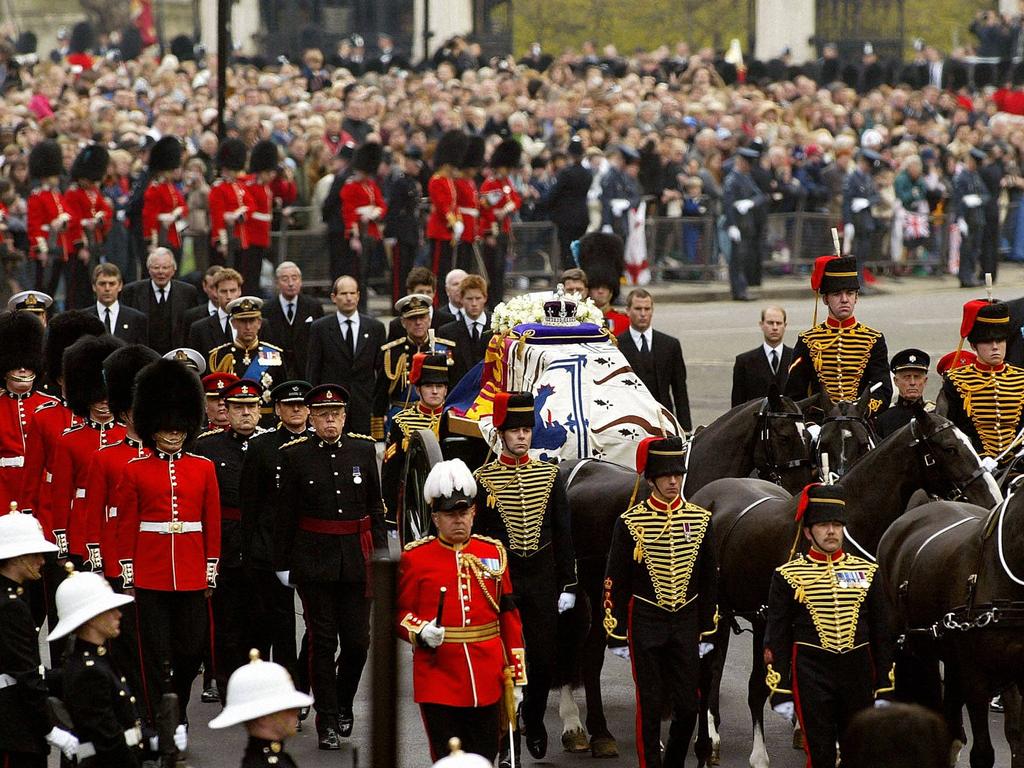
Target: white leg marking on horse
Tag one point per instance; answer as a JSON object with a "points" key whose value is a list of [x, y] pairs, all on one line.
{"points": [[716, 738], [759, 755], [568, 711]]}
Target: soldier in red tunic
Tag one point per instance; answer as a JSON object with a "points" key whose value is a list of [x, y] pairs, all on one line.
{"points": [[87, 397], [49, 244], [164, 210], [168, 532], [445, 226], [362, 209], [263, 164], [498, 203], [91, 215], [468, 658], [21, 357], [230, 207]]}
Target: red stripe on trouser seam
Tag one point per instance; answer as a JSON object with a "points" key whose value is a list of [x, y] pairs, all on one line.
{"points": [[636, 690], [213, 642], [796, 704], [142, 665]]}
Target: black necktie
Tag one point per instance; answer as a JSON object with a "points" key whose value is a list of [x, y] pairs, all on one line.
{"points": [[775, 361], [106, 319], [644, 349], [348, 336], [476, 332], [291, 312], [160, 297]]}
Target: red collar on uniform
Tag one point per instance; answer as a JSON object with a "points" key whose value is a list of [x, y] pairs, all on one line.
{"points": [[512, 461], [429, 411], [986, 367], [822, 557], [664, 506], [849, 322]]}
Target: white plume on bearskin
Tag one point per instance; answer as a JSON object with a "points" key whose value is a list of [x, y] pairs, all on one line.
{"points": [[446, 477]]}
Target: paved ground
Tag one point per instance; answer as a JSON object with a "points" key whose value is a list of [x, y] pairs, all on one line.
{"points": [[915, 312]]}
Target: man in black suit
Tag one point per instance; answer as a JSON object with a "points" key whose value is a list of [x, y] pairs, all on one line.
{"points": [[754, 371], [470, 334], [567, 201], [210, 306], [209, 332], [1015, 344], [655, 357], [344, 348], [287, 320], [127, 324], [422, 281], [163, 300]]}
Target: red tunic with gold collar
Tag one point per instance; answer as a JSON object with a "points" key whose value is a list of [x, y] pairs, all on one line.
{"points": [[50, 421], [17, 413], [498, 194], [356, 195], [84, 203], [444, 207], [465, 196], [228, 197], [44, 206], [257, 223], [483, 632], [101, 504], [162, 197]]}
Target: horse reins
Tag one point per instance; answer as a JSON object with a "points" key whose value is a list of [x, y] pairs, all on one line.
{"points": [[773, 467], [926, 453]]}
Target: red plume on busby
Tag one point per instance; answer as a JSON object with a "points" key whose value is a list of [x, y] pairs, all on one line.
{"points": [[45, 160], [91, 163], [500, 408], [264, 157], [417, 367], [231, 154], [83, 371], [641, 453], [819, 271], [805, 499], [971, 309]]}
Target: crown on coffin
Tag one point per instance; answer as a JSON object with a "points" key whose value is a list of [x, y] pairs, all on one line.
{"points": [[560, 310]]}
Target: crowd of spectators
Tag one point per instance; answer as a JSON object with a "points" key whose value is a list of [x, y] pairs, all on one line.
{"points": [[670, 119]]}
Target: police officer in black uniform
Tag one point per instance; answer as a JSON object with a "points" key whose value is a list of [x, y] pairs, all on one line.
{"points": [[660, 597], [329, 520], [970, 198], [272, 603], [742, 203], [910, 372], [226, 448], [526, 508], [827, 614], [859, 195]]}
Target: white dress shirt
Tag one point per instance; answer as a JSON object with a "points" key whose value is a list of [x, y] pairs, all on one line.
{"points": [[114, 308], [284, 307], [355, 327], [482, 320], [636, 335], [768, 353]]}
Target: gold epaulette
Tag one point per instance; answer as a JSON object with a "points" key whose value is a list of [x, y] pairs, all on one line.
{"points": [[418, 543], [360, 436], [207, 433], [393, 344], [268, 344], [489, 540], [296, 441], [439, 340], [221, 346]]}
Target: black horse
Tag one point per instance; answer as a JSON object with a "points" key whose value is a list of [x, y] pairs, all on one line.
{"points": [[954, 574], [755, 532], [845, 435]]}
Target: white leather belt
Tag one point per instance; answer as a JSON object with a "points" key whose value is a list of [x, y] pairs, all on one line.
{"points": [[13, 461], [175, 526], [79, 493], [469, 212], [6, 680], [132, 737]]}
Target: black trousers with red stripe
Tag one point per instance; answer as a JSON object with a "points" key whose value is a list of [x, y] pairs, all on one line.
{"points": [[337, 618], [666, 669], [441, 254], [172, 628], [828, 690], [475, 727]]}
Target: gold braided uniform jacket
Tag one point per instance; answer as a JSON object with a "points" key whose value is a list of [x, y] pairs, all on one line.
{"points": [[986, 404], [525, 506], [842, 357], [403, 425], [662, 554], [832, 604]]}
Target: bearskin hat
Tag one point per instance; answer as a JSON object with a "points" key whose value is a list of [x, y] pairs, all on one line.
{"points": [[83, 371], [21, 342], [183, 48], [450, 148], [167, 396], [231, 155], [264, 157], [91, 163], [473, 157], [601, 257], [368, 157], [63, 331], [82, 37], [131, 43], [166, 154], [45, 160], [507, 154], [119, 371]]}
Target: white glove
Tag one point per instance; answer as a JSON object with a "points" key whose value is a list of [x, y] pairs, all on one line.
{"points": [[785, 709], [882, 703], [285, 577], [64, 741], [703, 649], [154, 743], [622, 653], [847, 239], [517, 696], [432, 636], [813, 430], [743, 206], [989, 464], [457, 229], [566, 602], [606, 229], [734, 234], [972, 201], [181, 737], [619, 206], [962, 226], [858, 204]]}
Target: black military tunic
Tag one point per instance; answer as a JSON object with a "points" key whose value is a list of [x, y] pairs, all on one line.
{"points": [[842, 357], [261, 753], [329, 519], [393, 392], [986, 404], [101, 707], [829, 633], [899, 414], [403, 425], [23, 719], [264, 363], [660, 596]]}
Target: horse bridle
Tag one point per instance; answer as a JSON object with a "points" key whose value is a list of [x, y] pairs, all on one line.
{"points": [[773, 468], [868, 429], [926, 454]]}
